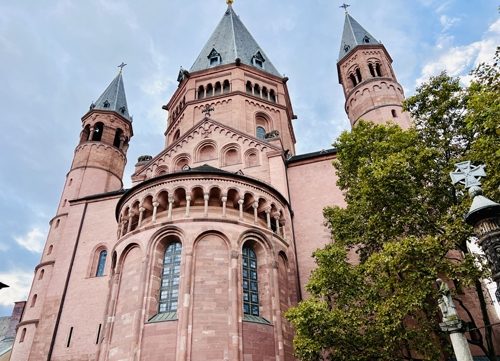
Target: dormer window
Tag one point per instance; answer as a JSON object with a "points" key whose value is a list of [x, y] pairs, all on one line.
{"points": [[214, 58], [346, 48], [105, 104], [258, 60], [366, 39], [123, 109]]}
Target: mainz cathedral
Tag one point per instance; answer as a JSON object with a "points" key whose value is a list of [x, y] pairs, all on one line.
{"points": [[202, 256]]}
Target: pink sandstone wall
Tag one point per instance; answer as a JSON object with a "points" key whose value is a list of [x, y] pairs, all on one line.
{"points": [[312, 187]]}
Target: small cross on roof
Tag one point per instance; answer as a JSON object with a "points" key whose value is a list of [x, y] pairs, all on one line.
{"points": [[344, 6], [121, 66], [468, 174]]}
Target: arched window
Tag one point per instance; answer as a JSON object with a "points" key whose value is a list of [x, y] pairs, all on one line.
{"points": [[372, 70], [250, 282], [272, 96], [260, 132], [249, 87], [169, 291], [177, 134], [33, 300], [265, 93], [256, 90], [358, 75], [353, 80], [201, 92], [101, 263], [218, 88], [394, 114], [85, 134], [49, 251], [98, 129], [225, 86], [210, 90], [378, 70], [42, 272], [118, 136]]}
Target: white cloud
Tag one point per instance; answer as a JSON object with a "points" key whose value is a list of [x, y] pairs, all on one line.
{"points": [[459, 60], [19, 282], [448, 22], [33, 240]]}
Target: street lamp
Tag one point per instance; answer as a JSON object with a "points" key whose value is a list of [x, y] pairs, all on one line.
{"points": [[484, 216]]}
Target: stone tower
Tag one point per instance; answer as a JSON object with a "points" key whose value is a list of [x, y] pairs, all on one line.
{"points": [[370, 86], [97, 169]]}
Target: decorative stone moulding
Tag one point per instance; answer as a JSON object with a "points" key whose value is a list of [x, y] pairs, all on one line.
{"points": [[223, 197]]}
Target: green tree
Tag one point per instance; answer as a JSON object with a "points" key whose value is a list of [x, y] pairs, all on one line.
{"points": [[404, 220]]}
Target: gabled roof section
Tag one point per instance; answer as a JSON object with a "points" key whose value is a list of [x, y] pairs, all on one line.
{"points": [[113, 98], [354, 34], [231, 40]]}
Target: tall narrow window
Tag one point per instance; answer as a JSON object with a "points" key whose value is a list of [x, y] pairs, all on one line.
{"points": [[353, 80], [260, 132], [358, 75], [101, 264], [118, 138], [169, 291], [23, 335], [250, 282], [98, 129], [201, 92], [68, 342], [372, 69], [272, 96], [378, 70], [225, 86], [210, 90], [249, 87], [218, 88]]}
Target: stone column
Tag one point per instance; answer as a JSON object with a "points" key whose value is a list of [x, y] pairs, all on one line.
{"points": [[141, 215], [188, 205], [268, 217], [205, 200], [155, 210], [234, 339], [91, 133], [224, 203], [240, 203], [278, 323], [255, 214], [129, 226], [277, 219], [184, 308], [122, 227], [170, 206]]}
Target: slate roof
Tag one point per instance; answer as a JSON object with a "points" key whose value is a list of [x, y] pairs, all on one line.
{"points": [[231, 40], [354, 34], [320, 153], [114, 98]]}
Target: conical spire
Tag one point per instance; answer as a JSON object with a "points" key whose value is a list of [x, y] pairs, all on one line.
{"points": [[354, 34], [229, 41], [114, 98]]}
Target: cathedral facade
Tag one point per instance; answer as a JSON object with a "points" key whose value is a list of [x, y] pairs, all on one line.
{"points": [[203, 255]]}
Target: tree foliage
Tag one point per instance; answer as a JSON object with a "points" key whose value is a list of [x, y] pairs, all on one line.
{"points": [[404, 221]]}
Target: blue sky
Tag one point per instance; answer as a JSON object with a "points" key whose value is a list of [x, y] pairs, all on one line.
{"points": [[58, 56]]}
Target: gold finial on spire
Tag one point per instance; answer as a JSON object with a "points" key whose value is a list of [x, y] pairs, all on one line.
{"points": [[230, 2]]}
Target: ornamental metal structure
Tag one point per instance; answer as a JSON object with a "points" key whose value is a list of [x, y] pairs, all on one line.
{"points": [[483, 215]]}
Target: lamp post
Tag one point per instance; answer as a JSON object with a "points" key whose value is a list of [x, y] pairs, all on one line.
{"points": [[484, 216]]}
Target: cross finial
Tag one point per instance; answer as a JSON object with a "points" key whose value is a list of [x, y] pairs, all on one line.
{"points": [[121, 66], [207, 109], [468, 174], [344, 6]]}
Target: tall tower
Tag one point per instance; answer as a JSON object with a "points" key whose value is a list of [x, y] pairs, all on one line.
{"points": [[95, 174], [370, 86]]}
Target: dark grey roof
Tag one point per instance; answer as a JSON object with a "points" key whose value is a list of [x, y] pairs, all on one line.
{"points": [[320, 153], [113, 98], [354, 34], [231, 40]]}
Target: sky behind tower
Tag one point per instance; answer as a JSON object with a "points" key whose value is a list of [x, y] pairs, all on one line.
{"points": [[57, 57]]}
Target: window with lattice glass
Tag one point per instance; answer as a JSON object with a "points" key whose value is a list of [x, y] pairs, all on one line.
{"points": [[250, 282], [169, 290], [101, 264]]}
